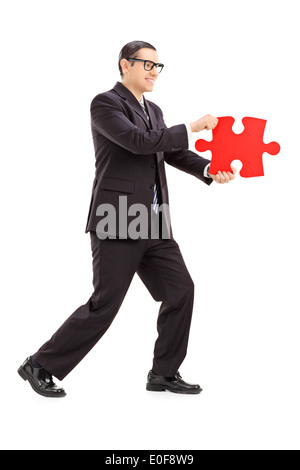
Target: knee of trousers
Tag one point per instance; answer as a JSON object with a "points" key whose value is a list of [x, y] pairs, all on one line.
{"points": [[188, 290], [183, 293], [107, 299]]}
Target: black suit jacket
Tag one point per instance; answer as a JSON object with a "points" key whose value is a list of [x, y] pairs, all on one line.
{"points": [[129, 149]]}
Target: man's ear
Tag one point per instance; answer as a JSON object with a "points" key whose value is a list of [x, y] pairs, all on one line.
{"points": [[124, 65]]}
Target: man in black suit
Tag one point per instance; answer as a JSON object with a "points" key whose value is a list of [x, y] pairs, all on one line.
{"points": [[131, 142]]}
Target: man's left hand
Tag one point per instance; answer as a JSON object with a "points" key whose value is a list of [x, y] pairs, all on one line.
{"points": [[224, 176]]}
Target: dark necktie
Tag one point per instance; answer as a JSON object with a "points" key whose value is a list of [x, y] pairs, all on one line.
{"points": [[156, 185]]}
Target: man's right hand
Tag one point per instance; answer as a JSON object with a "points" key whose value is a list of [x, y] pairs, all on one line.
{"points": [[207, 122]]}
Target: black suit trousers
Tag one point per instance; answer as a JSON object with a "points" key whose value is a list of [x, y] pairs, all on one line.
{"points": [[160, 265]]}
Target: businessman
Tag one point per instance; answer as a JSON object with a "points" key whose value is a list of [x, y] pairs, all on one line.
{"points": [[132, 144]]}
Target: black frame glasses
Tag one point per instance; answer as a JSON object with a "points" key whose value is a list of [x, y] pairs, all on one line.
{"points": [[150, 67]]}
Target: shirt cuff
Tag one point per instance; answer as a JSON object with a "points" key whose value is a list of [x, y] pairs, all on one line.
{"points": [[189, 131], [206, 170]]}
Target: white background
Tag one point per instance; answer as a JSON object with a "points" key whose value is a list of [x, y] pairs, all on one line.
{"points": [[240, 241]]}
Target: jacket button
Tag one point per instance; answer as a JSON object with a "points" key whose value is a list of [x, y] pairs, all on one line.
{"points": [[151, 186], [152, 165]]}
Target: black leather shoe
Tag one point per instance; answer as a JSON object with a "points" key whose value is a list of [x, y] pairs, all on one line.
{"points": [[40, 380], [159, 383]]}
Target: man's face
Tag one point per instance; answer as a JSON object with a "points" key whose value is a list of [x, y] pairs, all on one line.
{"points": [[139, 78]]}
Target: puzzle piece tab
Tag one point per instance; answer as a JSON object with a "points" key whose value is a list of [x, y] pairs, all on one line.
{"points": [[248, 147]]}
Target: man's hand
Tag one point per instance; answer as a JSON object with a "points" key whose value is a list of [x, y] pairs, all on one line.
{"points": [[207, 122], [224, 176]]}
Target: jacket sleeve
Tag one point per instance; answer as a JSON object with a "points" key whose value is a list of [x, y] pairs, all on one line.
{"points": [[109, 119], [190, 162]]}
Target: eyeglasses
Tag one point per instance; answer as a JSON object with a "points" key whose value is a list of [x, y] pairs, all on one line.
{"points": [[148, 64]]}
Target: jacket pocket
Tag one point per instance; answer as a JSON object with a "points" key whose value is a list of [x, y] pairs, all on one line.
{"points": [[117, 184]]}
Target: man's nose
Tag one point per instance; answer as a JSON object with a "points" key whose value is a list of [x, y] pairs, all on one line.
{"points": [[154, 72]]}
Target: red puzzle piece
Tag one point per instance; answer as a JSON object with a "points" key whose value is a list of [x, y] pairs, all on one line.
{"points": [[247, 147]]}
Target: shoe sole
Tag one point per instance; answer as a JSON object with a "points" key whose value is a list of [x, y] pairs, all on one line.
{"points": [[161, 388], [26, 377]]}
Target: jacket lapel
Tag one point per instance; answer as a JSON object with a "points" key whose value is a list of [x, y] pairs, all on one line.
{"points": [[151, 115], [128, 96], [154, 126]]}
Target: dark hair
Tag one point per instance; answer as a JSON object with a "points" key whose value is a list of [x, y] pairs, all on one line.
{"points": [[130, 50]]}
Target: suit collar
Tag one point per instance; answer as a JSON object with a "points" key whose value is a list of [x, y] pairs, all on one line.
{"points": [[124, 92], [134, 102]]}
